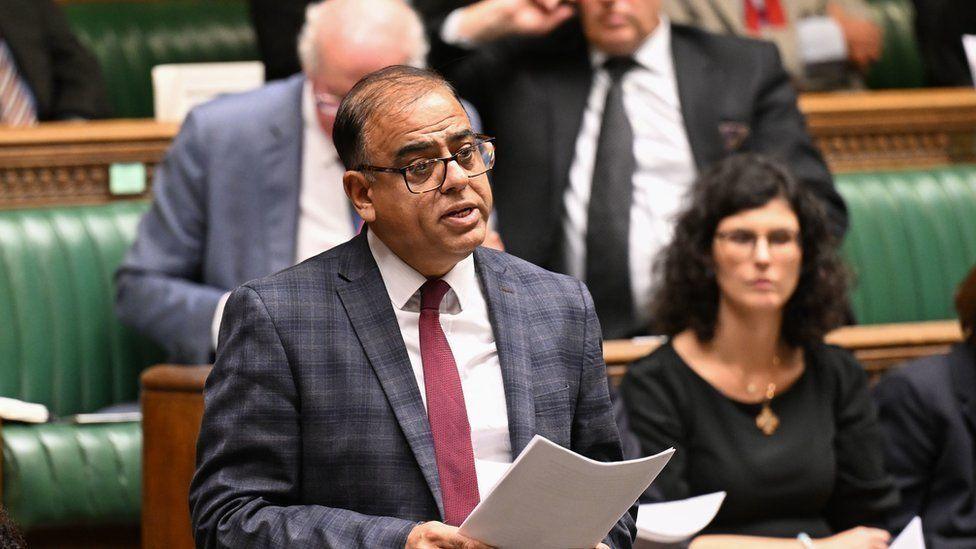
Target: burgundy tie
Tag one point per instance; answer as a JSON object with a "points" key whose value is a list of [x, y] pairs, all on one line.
{"points": [[445, 410]]}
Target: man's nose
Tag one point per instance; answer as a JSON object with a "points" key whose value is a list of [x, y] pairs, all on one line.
{"points": [[455, 178]]}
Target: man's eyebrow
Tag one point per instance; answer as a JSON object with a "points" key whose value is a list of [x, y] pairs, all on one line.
{"points": [[426, 144]]}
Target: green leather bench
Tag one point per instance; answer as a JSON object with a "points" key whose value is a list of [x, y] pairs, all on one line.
{"points": [[130, 38], [912, 239], [61, 346]]}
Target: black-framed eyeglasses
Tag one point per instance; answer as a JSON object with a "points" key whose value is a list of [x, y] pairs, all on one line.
{"points": [[428, 175]]}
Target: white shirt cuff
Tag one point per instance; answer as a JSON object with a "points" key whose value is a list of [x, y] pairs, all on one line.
{"points": [[218, 314], [449, 31], [820, 40]]}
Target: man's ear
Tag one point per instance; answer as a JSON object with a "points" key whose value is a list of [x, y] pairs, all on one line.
{"points": [[357, 189]]}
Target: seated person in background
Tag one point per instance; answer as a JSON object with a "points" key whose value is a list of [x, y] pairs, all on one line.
{"points": [[825, 44], [341, 412], [253, 184], [746, 391], [940, 26], [45, 73], [606, 127], [276, 25], [928, 412]]}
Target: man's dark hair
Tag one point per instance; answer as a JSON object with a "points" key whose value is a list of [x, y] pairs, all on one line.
{"points": [[688, 294], [966, 306], [10, 536], [387, 90]]}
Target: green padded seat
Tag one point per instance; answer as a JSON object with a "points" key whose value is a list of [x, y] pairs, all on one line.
{"points": [[901, 64], [62, 346], [59, 474], [130, 38], [911, 241]]}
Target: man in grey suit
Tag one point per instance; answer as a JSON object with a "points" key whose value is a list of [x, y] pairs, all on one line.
{"points": [[359, 398], [251, 184]]}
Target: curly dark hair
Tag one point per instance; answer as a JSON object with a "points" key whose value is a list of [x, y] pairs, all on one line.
{"points": [[687, 295]]}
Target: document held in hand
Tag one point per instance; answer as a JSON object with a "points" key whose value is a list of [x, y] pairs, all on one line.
{"points": [[551, 497]]}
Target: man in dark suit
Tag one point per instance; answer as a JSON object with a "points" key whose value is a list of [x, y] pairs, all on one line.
{"points": [[928, 412], [58, 77], [357, 396], [574, 180]]}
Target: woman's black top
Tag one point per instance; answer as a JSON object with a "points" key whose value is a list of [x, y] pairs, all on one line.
{"points": [[821, 472]]}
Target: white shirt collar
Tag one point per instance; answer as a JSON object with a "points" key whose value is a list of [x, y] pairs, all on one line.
{"points": [[403, 282], [654, 54]]}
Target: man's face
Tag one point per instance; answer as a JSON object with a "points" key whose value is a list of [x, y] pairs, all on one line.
{"points": [[618, 27], [341, 68], [434, 230]]}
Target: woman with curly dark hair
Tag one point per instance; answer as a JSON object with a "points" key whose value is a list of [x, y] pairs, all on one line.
{"points": [[745, 388]]}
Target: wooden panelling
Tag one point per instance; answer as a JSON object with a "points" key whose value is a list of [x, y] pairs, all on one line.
{"points": [[58, 163], [893, 129]]}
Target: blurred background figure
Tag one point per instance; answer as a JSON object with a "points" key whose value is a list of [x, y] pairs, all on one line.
{"points": [[252, 184], [928, 412], [607, 114], [745, 389], [276, 24], [825, 45], [45, 73], [940, 26]]}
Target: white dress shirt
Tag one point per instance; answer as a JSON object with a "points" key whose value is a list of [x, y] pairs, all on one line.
{"points": [[324, 218], [665, 165], [464, 319]]}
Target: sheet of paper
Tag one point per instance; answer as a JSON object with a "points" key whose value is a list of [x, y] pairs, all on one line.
{"points": [[969, 46], [674, 521], [551, 497], [911, 537]]}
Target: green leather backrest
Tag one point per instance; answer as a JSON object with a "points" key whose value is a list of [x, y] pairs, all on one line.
{"points": [[130, 38], [61, 344], [901, 64], [911, 241]]}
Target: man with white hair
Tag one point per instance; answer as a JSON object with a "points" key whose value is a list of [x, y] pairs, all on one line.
{"points": [[252, 184]]}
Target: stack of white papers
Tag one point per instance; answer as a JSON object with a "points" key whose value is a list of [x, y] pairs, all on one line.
{"points": [[911, 537], [551, 497], [674, 521], [12, 409]]}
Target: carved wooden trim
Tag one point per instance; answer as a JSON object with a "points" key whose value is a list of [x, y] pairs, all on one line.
{"points": [[68, 163], [893, 129]]}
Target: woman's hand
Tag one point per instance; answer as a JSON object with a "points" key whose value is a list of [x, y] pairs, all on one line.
{"points": [[860, 537]]}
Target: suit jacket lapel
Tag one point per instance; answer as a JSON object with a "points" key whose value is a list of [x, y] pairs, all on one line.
{"points": [[696, 79], [568, 88], [370, 311], [282, 179], [505, 313], [962, 364]]}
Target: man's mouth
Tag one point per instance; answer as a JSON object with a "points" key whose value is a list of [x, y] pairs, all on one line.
{"points": [[463, 212]]}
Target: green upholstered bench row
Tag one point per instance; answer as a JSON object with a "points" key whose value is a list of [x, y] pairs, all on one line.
{"points": [[901, 64], [130, 38], [61, 346], [911, 241]]}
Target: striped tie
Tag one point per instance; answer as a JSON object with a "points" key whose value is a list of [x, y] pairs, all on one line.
{"points": [[16, 102]]}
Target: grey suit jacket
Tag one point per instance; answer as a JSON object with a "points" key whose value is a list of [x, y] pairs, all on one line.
{"points": [[225, 211], [315, 434]]}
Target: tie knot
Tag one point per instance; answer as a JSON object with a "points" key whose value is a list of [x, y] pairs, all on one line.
{"points": [[617, 67], [431, 294]]}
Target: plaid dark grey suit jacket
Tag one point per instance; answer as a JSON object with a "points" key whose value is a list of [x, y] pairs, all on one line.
{"points": [[314, 433]]}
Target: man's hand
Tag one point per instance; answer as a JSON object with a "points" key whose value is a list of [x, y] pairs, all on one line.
{"points": [[489, 20], [864, 38], [602, 546], [430, 535]]}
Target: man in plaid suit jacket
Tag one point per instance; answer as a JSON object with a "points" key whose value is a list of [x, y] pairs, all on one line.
{"points": [[315, 432]]}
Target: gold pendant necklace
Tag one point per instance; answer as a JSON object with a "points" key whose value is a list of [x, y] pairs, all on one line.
{"points": [[767, 421]]}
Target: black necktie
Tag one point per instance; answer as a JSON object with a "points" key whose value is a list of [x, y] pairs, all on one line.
{"points": [[608, 217]]}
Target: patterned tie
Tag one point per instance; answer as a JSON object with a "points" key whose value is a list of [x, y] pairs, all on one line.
{"points": [[16, 102], [608, 215], [445, 410]]}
